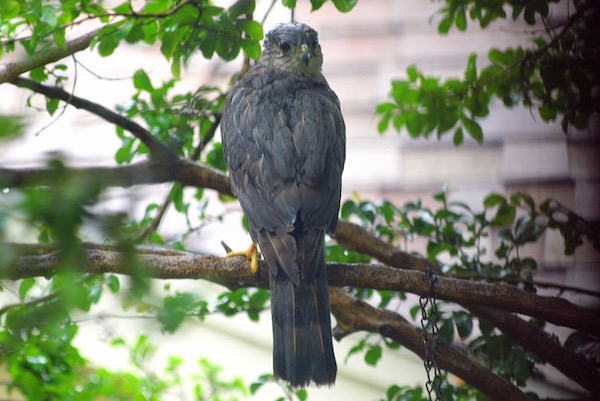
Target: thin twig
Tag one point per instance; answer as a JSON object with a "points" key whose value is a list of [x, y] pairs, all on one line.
{"points": [[158, 150], [264, 19]]}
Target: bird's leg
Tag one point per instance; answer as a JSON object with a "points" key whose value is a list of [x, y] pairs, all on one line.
{"points": [[250, 253]]}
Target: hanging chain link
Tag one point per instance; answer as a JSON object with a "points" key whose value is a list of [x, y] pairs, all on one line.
{"points": [[431, 338]]}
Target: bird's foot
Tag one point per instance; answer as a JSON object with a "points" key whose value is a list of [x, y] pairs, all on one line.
{"points": [[250, 253]]}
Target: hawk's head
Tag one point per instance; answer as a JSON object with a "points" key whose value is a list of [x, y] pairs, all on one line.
{"points": [[295, 48]]}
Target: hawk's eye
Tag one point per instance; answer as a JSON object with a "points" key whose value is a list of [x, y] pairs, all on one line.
{"points": [[285, 47]]}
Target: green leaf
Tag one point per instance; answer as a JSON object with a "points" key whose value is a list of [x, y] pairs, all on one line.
{"points": [[447, 331], [262, 379], [10, 9], [252, 28], [445, 24], [494, 199], [49, 16], [113, 284], [578, 340], [59, 38], [471, 71], [141, 81], [52, 105], [215, 157], [156, 7], [498, 57], [464, 323], [11, 127], [392, 392], [414, 124], [315, 4], [208, 45], [241, 7], [473, 128], [440, 194], [124, 153], [110, 37], [505, 215], [458, 137], [461, 20], [412, 73], [291, 3], [26, 285], [39, 74], [251, 48], [344, 5], [547, 113], [373, 355]]}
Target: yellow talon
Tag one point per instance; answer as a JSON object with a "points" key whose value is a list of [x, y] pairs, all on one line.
{"points": [[250, 253]]}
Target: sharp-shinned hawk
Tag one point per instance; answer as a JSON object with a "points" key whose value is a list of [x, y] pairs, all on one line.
{"points": [[284, 141]]}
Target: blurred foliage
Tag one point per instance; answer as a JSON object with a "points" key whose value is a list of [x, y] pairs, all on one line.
{"points": [[556, 76], [11, 127]]}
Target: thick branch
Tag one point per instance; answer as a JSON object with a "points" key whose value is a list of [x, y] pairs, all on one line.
{"points": [[506, 297], [378, 277], [109, 176], [353, 315], [148, 172], [11, 71], [45, 260], [572, 365]]}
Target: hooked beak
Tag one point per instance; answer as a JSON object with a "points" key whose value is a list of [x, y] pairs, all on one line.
{"points": [[305, 54]]}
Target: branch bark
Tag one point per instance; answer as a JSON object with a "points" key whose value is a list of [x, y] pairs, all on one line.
{"points": [[11, 71], [505, 297], [572, 365], [42, 260], [183, 171], [353, 315]]}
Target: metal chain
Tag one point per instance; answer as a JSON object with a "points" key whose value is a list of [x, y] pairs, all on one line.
{"points": [[431, 339]]}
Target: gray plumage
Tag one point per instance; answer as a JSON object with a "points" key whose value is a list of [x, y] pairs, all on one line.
{"points": [[284, 141]]}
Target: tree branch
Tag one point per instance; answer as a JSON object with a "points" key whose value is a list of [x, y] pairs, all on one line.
{"points": [[183, 171], [378, 277], [158, 150], [572, 365], [11, 71], [110, 176], [506, 297], [353, 315]]}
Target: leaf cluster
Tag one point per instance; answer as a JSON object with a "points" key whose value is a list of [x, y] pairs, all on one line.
{"points": [[556, 75], [454, 237], [181, 27]]}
